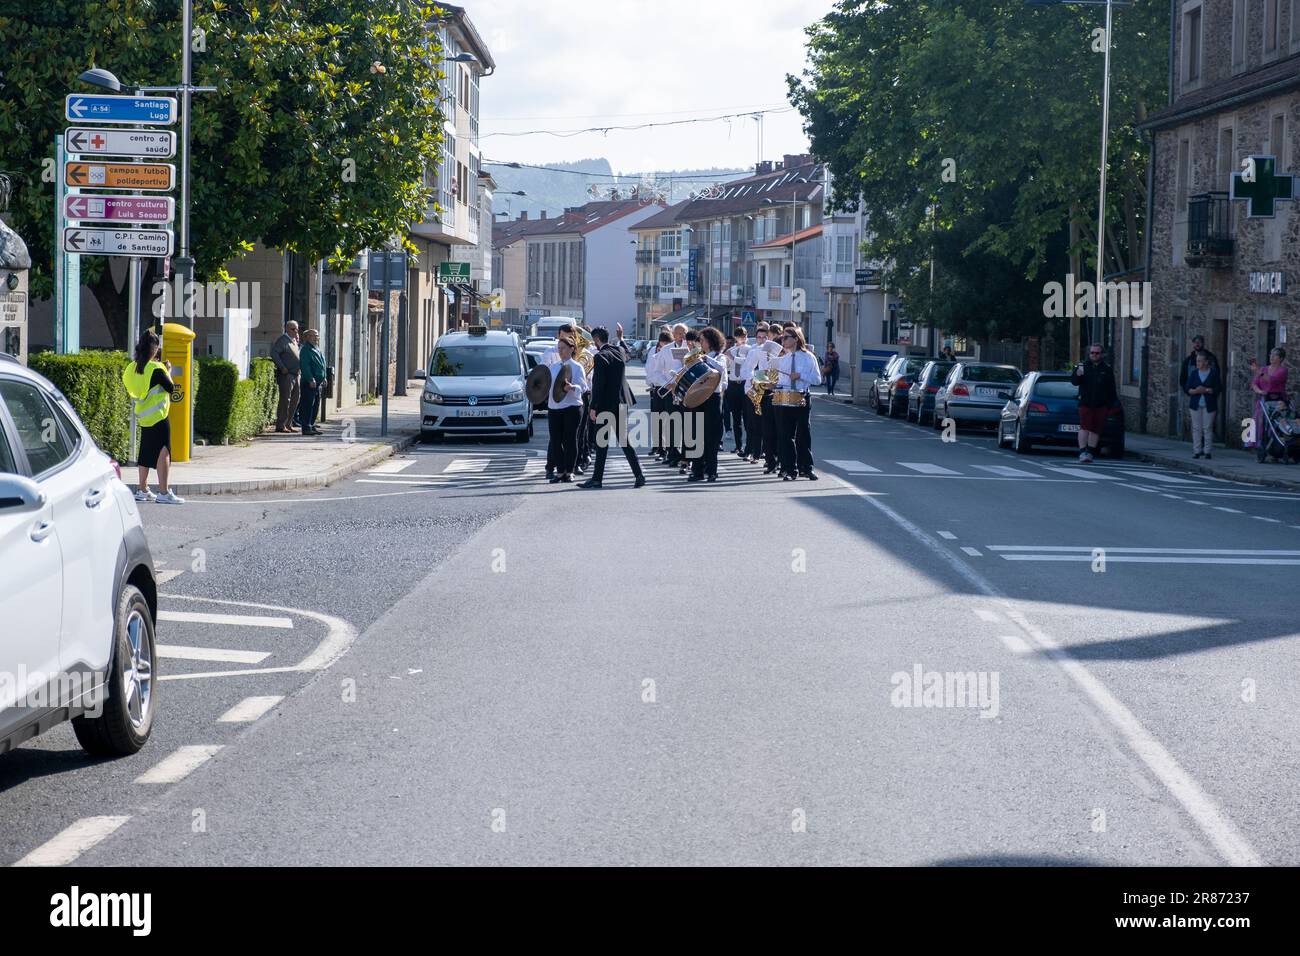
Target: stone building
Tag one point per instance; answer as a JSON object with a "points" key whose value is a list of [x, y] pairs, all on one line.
{"points": [[1223, 257]]}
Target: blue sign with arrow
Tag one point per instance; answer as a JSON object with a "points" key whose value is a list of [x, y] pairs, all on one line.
{"points": [[138, 110]]}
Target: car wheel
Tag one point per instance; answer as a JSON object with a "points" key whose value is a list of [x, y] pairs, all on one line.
{"points": [[124, 720], [522, 436], [1021, 444], [880, 409], [1002, 438], [431, 437], [907, 411]]}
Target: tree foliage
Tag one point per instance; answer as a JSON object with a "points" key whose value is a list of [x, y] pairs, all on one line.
{"points": [[1005, 98], [297, 110]]}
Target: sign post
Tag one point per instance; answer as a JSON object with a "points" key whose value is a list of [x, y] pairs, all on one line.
{"points": [[387, 275]]}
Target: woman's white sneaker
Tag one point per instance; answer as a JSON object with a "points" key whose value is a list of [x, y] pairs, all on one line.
{"points": [[169, 498], [145, 495]]}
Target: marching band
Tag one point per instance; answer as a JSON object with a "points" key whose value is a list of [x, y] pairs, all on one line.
{"points": [[762, 388]]}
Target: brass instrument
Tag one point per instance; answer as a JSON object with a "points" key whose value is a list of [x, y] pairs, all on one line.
{"points": [[584, 351], [762, 382]]}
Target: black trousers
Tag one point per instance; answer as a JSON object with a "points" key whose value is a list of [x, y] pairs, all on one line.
{"points": [[585, 430], [707, 463], [753, 431], [794, 439], [602, 451], [736, 402], [657, 406], [564, 435], [768, 426]]}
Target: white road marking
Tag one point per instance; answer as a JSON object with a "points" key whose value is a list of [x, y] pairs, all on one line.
{"points": [[72, 842], [534, 466], [1095, 474], [1174, 497], [947, 536], [165, 577], [973, 552], [218, 655], [984, 614], [430, 481], [338, 638], [233, 620], [1006, 471], [1202, 808], [1015, 644], [463, 466], [1231, 511], [1269, 520], [248, 710], [1155, 559], [1161, 476], [926, 468], [179, 765], [854, 467], [1228, 552], [391, 467]]}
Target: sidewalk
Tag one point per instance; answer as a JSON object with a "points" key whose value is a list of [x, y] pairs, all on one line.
{"points": [[1229, 463], [274, 462]]}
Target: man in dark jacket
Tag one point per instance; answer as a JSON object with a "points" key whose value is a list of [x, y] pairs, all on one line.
{"points": [[1189, 363], [1097, 396], [607, 395]]}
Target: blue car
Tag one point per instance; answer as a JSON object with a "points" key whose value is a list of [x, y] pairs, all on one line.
{"points": [[1044, 410]]}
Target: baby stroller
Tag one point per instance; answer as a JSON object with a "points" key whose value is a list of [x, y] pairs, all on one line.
{"points": [[1280, 437]]}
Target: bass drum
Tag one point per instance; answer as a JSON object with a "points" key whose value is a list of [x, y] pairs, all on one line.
{"points": [[696, 383]]}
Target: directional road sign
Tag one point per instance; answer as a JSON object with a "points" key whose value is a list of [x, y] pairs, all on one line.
{"points": [[145, 143], [118, 242], [102, 207], [157, 177], [136, 110]]}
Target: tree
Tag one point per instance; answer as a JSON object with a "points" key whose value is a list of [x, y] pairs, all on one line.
{"points": [[303, 146], [988, 113]]}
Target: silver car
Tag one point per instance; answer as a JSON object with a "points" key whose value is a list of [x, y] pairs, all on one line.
{"points": [[476, 387], [975, 392]]}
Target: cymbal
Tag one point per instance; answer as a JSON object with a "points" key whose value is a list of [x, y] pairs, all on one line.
{"points": [[538, 385], [558, 391], [700, 391]]}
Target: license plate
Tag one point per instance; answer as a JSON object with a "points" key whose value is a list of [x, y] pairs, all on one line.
{"points": [[990, 393], [1069, 428], [477, 413]]}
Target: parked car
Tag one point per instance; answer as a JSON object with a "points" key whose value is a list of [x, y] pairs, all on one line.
{"points": [[888, 393], [78, 598], [1044, 410], [975, 392], [920, 397], [476, 387]]}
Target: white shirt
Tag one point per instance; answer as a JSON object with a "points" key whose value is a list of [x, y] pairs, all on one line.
{"points": [[577, 377], [655, 374], [738, 356], [760, 357], [673, 364], [551, 356], [721, 366], [806, 364]]}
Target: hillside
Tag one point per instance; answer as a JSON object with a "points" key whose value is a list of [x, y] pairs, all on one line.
{"points": [[552, 191]]}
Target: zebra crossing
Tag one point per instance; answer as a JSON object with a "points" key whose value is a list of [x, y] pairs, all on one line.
{"points": [[421, 468]]}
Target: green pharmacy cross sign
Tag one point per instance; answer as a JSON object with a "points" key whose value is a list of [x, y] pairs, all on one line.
{"points": [[1258, 183]]}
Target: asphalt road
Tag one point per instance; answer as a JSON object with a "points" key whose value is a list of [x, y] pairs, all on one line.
{"points": [[478, 667]]}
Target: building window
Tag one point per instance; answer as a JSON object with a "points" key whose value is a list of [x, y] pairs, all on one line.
{"points": [[1277, 142], [1191, 44], [1184, 172], [785, 272], [1272, 28], [1136, 339], [1240, 17], [1295, 25], [843, 253]]}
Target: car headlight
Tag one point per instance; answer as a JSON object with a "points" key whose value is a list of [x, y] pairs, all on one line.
{"points": [[433, 398], [514, 397]]}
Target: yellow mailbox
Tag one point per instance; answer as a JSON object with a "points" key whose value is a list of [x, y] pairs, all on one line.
{"points": [[178, 352]]}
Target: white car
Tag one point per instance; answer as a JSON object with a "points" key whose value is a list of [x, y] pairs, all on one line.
{"points": [[476, 387], [78, 598]]}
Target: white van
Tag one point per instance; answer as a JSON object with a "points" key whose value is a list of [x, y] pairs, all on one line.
{"points": [[551, 325]]}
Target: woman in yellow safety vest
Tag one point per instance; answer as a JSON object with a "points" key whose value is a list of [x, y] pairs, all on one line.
{"points": [[148, 383]]}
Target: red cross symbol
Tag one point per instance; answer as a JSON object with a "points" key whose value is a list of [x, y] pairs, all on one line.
{"points": [[98, 141]]}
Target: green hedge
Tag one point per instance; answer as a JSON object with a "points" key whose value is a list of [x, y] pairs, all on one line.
{"points": [[92, 381], [230, 409]]}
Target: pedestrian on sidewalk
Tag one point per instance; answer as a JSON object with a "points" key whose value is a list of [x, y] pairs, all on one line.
{"points": [[1269, 385], [1189, 364], [285, 355], [312, 364], [831, 368], [1203, 386], [1097, 396], [148, 381]]}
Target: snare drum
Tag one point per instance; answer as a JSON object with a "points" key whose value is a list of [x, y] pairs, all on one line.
{"points": [[789, 398]]}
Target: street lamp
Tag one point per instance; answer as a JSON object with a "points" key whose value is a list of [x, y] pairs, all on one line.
{"points": [[1095, 327]]}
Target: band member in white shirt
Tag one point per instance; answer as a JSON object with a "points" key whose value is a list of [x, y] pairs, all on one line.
{"points": [[799, 372], [656, 378], [563, 416], [737, 356], [706, 466], [552, 355], [760, 357]]}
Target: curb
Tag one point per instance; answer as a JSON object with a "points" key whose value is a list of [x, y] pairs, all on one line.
{"points": [[1195, 467], [319, 479]]}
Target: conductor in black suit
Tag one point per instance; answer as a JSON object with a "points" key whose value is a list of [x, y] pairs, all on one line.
{"points": [[608, 392]]}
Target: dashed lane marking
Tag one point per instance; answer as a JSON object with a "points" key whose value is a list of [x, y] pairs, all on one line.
{"points": [[1006, 471], [466, 466], [1015, 644], [392, 467], [216, 655], [973, 552], [854, 467], [235, 620], [177, 766], [1081, 473], [984, 614], [927, 468], [72, 842], [249, 710], [947, 536]]}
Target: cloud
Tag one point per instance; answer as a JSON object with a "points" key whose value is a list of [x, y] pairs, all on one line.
{"points": [[569, 64]]}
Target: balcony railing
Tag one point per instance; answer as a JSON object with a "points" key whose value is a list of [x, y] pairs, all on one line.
{"points": [[1209, 230], [645, 292], [644, 256]]}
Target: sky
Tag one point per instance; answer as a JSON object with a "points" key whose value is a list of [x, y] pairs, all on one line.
{"points": [[574, 64]]}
